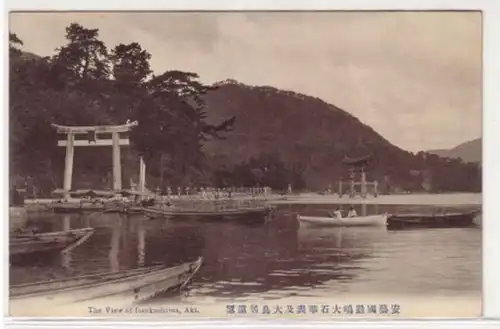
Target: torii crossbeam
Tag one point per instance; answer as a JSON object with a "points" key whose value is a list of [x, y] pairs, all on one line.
{"points": [[93, 139]]}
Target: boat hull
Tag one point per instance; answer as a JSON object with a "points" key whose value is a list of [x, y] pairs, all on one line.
{"points": [[123, 288], [249, 215], [77, 207], [374, 220], [22, 244], [447, 220]]}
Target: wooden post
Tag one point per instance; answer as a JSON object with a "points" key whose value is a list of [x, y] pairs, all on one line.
{"points": [[114, 250], [68, 165], [142, 175], [65, 255], [66, 223], [117, 169], [141, 244]]}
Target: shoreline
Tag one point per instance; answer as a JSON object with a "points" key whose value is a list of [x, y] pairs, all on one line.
{"points": [[458, 199], [449, 199]]}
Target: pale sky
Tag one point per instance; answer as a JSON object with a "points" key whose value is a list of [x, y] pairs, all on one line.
{"points": [[414, 77]]}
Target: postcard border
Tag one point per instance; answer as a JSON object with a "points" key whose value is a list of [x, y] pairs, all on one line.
{"points": [[491, 156]]}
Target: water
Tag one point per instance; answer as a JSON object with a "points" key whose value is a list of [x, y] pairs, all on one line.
{"points": [[272, 261]]}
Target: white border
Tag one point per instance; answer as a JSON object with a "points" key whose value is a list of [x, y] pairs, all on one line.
{"points": [[491, 126]]}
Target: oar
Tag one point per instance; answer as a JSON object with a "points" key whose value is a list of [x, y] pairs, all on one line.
{"points": [[77, 243]]}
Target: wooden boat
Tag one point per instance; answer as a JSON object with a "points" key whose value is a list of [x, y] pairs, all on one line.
{"points": [[82, 207], [373, 220], [125, 209], [432, 220], [27, 243], [252, 214], [77, 207], [123, 287]]}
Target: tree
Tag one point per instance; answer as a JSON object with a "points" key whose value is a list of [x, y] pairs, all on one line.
{"points": [[186, 86], [130, 65], [84, 56], [173, 122], [14, 43]]}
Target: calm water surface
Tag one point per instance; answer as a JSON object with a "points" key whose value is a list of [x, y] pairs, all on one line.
{"points": [[271, 261]]}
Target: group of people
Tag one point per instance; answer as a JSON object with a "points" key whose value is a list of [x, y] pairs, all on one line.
{"points": [[211, 193], [338, 213]]}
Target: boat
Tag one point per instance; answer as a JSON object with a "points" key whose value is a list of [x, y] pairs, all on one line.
{"points": [[372, 220], [126, 287], [91, 201], [244, 214], [83, 206], [125, 209], [67, 207], [432, 220], [32, 242]]}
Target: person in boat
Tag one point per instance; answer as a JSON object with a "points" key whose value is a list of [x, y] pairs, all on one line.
{"points": [[352, 212], [337, 213]]}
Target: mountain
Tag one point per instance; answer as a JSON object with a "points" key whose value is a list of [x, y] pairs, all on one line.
{"points": [[470, 151], [307, 132]]}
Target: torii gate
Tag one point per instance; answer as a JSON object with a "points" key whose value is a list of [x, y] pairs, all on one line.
{"points": [[93, 133]]}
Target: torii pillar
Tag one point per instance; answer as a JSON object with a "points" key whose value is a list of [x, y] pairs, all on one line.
{"points": [[92, 133]]}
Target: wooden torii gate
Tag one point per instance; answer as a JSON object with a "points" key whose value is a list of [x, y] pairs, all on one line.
{"points": [[93, 133]]}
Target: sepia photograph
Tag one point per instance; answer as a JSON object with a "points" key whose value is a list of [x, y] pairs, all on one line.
{"points": [[268, 165]]}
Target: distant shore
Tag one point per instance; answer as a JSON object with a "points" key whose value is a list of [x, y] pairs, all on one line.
{"points": [[451, 199]]}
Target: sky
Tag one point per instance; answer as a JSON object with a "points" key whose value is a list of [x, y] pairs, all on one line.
{"points": [[414, 77]]}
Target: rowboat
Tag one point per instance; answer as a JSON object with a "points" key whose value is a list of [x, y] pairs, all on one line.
{"points": [[106, 288], [373, 220], [27, 243], [432, 220]]}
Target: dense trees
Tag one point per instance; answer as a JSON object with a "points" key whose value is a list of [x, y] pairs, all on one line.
{"points": [[264, 170], [85, 83]]}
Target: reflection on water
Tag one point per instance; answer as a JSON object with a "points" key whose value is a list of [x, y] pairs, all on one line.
{"points": [[270, 261]]}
